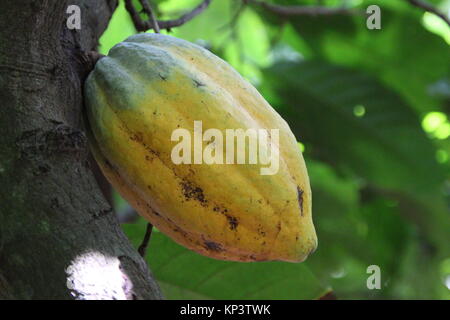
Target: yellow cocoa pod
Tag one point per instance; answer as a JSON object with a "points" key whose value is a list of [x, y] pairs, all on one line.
{"points": [[149, 86]]}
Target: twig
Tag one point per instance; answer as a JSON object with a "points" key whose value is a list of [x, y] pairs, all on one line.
{"points": [[429, 8], [288, 11], [328, 296], [143, 247], [139, 24], [149, 11], [142, 25], [186, 17]]}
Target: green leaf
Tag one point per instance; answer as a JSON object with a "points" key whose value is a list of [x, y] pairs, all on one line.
{"points": [[184, 274], [357, 124], [359, 227], [349, 233], [120, 27], [208, 26], [367, 132]]}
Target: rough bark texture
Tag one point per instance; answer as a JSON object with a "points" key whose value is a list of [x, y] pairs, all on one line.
{"points": [[58, 236]]}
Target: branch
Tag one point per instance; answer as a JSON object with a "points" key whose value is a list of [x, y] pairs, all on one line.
{"points": [[429, 8], [144, 25], [149, 11], [288, 11]]}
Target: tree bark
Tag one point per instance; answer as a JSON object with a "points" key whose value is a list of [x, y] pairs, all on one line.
{"points": [[59, 238]]}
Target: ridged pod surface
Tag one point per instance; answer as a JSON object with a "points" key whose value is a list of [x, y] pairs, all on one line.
{"points": [[150, 85]]}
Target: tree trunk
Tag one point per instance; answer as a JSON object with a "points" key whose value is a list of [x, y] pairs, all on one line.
{"points": [[59, 238]]}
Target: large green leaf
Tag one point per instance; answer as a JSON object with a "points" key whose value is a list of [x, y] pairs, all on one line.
{"points": [[366, 131], [356, 230], [184, 274], [354, 122]]}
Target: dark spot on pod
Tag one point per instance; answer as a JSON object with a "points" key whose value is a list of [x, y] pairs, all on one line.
{"points": [[154, 152], [261, 232], [213, 246], [178, 230], [232, 221], [198, 83], [164, 78], [190, 191], [137, 137], [300, 199]]}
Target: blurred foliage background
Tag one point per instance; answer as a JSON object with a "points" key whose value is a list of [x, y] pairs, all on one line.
{"points": [[370, 109]]}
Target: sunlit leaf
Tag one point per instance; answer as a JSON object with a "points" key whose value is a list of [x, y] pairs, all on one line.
{"points": [[188, 275]]}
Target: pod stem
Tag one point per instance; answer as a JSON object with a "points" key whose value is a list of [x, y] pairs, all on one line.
{"points": [[143, 247]]}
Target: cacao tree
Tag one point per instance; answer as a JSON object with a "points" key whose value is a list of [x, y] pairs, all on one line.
{"points": [[54, 214]]}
